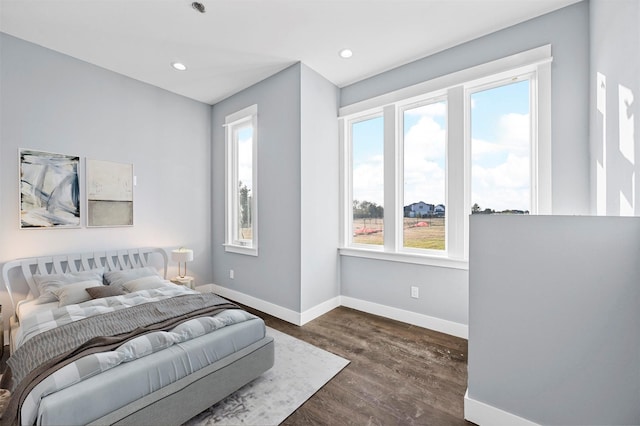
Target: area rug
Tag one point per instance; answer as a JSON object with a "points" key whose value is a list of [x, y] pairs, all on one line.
{"points": [[300, 370]]}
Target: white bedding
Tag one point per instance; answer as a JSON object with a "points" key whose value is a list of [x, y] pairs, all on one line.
{"points": [[34, 318], [29, 307], [57, 400], [100, 395]]}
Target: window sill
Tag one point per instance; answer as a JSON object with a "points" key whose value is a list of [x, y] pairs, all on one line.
{"points": [[249, 251], [419, 259]]}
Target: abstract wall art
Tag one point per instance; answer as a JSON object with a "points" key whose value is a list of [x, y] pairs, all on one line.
{"points": [[49, 190], [109, 193]]}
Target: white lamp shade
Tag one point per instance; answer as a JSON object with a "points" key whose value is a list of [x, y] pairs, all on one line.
{"points": [[182, 255]]}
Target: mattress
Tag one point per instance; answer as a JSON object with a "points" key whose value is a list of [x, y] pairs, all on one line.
{"points": [[102, 394], [110, 390]]}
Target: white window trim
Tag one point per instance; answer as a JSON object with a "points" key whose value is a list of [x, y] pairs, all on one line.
{"points": [[536, 61], [533, 57], [249, 114]]}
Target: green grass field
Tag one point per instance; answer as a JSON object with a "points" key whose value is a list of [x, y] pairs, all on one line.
{"points": [[430, 237]]}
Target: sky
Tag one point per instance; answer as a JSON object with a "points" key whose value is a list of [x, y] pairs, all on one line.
{"points": [[499, 147], [245, 155]]}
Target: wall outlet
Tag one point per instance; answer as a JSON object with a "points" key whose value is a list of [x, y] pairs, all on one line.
{"points": [[231, 274], [415, 293]]}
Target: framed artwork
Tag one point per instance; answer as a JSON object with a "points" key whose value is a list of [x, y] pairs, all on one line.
{"points": [[49, 190], [109, 193]]}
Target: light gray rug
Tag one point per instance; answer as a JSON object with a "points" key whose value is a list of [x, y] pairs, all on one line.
{"points": [[299, 371]]}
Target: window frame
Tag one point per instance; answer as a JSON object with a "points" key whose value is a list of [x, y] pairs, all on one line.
{"points": [[234, 122], [348, 235], [455, 89], [489, 83], [401, 107]]}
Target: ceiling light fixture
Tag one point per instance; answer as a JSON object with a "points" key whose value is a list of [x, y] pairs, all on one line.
{"points": [[345, 53], [179, 66]]}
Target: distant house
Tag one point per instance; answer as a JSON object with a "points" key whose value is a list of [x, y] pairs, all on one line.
{"points": [[439, 210], [419, 209]]}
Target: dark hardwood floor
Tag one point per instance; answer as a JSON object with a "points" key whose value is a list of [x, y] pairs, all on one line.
{"points": [[399, 374]]}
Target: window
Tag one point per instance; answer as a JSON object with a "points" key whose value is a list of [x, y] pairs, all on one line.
{"points": [[419, 161], [501, 148], [424, 138], [241, 180], [367, 182]]}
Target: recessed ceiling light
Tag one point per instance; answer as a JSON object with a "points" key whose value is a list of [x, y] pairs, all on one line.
{"points": [[345, 53], [179, 66]]}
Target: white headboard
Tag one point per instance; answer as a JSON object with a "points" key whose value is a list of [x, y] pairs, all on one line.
{"points": [[17, 275]]}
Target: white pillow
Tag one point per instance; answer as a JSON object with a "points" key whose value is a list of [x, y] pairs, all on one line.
{"points": [[74, 293], [118, 278], [144, 283], [48, 283]]}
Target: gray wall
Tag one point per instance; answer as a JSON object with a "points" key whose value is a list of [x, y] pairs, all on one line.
{"points": [[615, 125], [297, 262], [444, 292], [273, 275], [319, 190], [554, 317], [52, 102]]}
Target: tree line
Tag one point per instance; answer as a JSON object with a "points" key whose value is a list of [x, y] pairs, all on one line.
{"points": [[367, 210]]}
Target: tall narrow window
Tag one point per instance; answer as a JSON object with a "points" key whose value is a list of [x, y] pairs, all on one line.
{"points": [[424, 146], [501, 149], [241, 207], [367, 190]]}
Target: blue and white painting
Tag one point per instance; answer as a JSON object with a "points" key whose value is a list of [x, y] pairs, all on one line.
{"points": [[49, 190]]}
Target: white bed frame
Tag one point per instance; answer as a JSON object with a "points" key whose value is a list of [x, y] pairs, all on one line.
{"points": [[173, 404]]}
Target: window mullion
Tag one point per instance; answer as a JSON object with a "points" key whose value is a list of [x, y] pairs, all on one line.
{"points": [[346, 206], [457, 174], [542, 139], [391, 204]]}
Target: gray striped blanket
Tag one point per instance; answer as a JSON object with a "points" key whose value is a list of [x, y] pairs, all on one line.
{"points": [[39, 366]]}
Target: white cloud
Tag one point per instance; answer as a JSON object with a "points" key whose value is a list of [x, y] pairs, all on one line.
{"points": [[514, 130], [501, 168], [245, 161], [500, 172], [424, 158], [368, 180]]}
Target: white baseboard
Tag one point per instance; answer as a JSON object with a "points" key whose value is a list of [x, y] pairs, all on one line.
{"points": [[259, 304], [425, 321], [484, 414], [421, 320], [319, 310]]}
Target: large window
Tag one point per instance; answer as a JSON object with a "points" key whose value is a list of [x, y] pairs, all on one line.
{"points": [[419, 161], [242, 197]]}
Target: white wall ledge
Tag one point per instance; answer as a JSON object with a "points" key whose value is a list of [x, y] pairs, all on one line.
{"points": [[419, 259]]}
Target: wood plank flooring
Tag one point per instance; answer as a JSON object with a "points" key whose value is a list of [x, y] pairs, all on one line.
{"points": [[399, 374]]}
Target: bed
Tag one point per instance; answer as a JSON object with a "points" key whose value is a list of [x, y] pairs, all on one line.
{"points": [[195, 348]]}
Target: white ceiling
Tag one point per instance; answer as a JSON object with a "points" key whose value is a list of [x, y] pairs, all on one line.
{"points": [[237, 43]]}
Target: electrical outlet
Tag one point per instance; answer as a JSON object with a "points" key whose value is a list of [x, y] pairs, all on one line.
{"points": [[231, 274], [415, 292]]}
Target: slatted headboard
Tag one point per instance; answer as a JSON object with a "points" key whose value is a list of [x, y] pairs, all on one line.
{"points": [[17, 275]]}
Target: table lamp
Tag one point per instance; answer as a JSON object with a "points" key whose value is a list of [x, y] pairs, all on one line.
{"points": [[182, 255]]}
